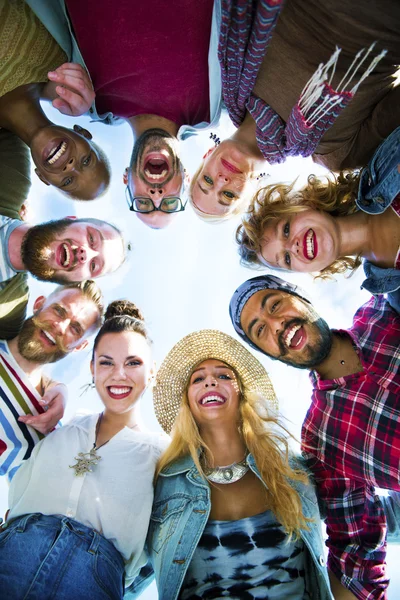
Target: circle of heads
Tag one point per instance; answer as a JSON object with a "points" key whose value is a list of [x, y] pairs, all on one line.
{"points": [[173, 375]]}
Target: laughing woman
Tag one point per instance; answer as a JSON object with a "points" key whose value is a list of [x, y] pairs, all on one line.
{"points": [[233, 516], [80, 506], [328, 226]]}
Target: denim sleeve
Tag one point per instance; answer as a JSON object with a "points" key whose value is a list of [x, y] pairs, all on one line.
{"points": [[391, 506]]}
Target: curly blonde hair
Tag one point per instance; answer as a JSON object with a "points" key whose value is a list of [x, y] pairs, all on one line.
{"points": [[335, 194], [269, 448]]}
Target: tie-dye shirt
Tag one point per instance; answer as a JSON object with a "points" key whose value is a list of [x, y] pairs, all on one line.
{"points": [[246, 559]]}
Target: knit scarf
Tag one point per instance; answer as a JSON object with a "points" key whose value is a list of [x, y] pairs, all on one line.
{"points": [[246, 30]]}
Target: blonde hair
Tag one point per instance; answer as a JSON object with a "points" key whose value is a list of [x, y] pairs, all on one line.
{"points": [[238, 207], [335, 196], [89, 290], [269, 449]]}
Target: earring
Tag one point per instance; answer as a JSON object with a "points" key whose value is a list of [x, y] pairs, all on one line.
{"points": [[87, 387], [213, 136], [262, 176]]}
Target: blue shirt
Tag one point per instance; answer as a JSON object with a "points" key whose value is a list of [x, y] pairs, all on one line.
{"points": [[379, 186]]}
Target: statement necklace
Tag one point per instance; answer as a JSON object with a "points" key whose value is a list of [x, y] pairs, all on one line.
{"points": [[228, 474], [86, 460]]}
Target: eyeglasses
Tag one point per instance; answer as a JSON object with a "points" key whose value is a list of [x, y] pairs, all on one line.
{"points": [[142, 204]]}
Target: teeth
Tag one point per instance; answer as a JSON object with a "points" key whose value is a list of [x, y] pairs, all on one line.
{"points": [[290, 334], [59, 151], [49, 337], [310, 244], [67, 256], [212, 399], [155, 175], [119, 390]]}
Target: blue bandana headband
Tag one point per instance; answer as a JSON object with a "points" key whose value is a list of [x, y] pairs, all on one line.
{"points": [[245, 291]]}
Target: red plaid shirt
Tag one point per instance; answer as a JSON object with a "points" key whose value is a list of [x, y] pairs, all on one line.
{"points": [[351, 437]]}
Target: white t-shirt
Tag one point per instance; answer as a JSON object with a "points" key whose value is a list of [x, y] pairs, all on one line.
{"points": [[115, 498]]}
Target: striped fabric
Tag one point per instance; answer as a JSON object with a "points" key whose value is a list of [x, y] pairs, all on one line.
{"points": [[17, 397], [27, 50], [246, 31], [7, 225]]}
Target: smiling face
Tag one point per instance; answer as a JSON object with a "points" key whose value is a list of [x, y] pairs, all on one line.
{"points": [[224, 179], [60, 324], [122, 369], [287, 328], [72, 250], [213, 393], [304, 242], [155, 172], [70, 162]]}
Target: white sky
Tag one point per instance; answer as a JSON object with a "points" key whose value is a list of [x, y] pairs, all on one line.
{"points": [[182, 278]]}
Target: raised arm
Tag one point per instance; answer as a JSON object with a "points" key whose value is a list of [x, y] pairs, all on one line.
{"points": [[70, 90]]}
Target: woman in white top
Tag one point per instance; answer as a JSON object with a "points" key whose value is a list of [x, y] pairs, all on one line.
{"points": [[80, 506]]}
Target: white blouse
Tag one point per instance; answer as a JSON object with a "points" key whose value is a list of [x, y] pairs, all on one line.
{"points": [[115, 498]]}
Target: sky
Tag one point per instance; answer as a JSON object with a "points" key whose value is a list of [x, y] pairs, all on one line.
{"points": [[182, 278]]}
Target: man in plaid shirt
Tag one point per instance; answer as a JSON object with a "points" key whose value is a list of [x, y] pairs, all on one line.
{"points": [[351, 433]]}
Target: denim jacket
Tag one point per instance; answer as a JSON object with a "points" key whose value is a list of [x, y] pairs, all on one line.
{"points": [[181, 510], [379, 186], [53, 15]]}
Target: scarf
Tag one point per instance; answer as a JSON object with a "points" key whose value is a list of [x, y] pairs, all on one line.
{"points": [[246, 31]]}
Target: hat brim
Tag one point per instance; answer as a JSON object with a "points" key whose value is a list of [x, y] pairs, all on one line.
{"points": [[173, 375]]}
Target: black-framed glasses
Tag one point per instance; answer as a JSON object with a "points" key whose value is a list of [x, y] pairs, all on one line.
{"points": [[143, 204]]}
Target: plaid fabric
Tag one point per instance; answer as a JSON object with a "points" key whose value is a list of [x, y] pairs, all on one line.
{"points": [[17, 397], [351, 439], [246, 30]]}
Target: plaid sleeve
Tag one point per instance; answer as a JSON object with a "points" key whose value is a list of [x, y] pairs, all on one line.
{"points": [[356, 528]]}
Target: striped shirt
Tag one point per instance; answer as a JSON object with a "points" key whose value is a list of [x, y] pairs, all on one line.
{"points": [[17, 397], [7, 226], [351, 438]]}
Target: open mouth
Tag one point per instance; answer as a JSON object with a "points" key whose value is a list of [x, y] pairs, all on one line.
{"points": [[54, 152], [310, 245], [48, 338], [294, 337], [65, 256], [212, 400], [156, 169], [118, 392], [229, 166]]}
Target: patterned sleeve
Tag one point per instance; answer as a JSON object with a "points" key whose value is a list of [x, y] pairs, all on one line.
{"points": [[356, 528]]}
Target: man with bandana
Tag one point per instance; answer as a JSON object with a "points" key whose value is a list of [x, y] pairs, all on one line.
{"points": [[60, 324], [350, 433]]}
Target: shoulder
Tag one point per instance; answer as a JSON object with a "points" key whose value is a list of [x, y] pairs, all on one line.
{"points": [[156, 442]]}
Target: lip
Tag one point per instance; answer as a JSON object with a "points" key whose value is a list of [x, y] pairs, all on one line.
{"points": [[311, 232], [215, 403], [45, 340], [49, 151], [156, 159], [119, 396], [62, 249], [301, 342], [230, 167]]}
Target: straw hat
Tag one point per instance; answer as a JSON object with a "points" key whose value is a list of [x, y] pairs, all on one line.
{"points": [[173, 375]]}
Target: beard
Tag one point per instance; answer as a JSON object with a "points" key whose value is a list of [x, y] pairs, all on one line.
{"points": [[154, 140], [36, 246], [313, 354], [32, 349]]}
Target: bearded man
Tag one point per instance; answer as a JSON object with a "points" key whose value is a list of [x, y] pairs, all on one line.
{"points": [[351, 431]]}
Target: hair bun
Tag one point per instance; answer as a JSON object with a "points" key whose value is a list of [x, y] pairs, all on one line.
{"points": [[121, 308]]}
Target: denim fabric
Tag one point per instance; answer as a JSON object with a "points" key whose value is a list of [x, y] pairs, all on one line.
{"points": [[391, 505], [380, 180], [379, 186], [56, 558], [180, 512], [53, 15]]}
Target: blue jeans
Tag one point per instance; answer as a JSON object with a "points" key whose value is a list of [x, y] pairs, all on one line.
{"points": [[56, 558]]}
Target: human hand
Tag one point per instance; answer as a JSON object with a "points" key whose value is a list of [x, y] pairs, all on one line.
{"points": [[55, 399], [74, 88]]}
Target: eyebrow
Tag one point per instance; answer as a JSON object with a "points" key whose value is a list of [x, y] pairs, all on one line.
{"points": [[263, 303]]}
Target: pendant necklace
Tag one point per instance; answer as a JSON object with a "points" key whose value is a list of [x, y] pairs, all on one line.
{"points": [[229, 474], [86, 460]]}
